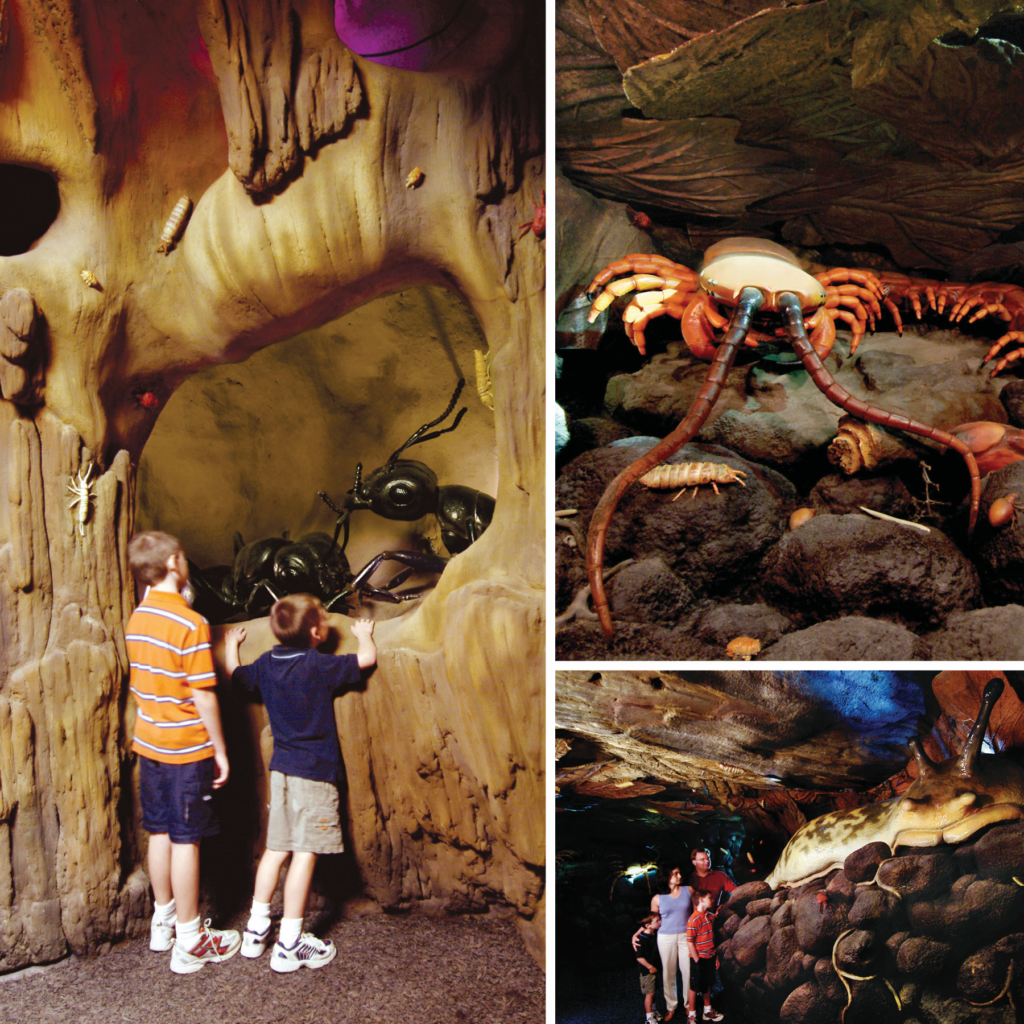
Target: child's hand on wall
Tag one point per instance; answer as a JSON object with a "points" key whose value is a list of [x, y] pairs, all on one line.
{"points": [[362, 627], [362, 630], [233, 639]]}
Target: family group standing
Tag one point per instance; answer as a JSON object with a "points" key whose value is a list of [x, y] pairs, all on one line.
{"points": [[682, 922]]}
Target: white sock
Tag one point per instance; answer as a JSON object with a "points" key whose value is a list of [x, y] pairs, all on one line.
{"points": [[291, 929], [259, 917], [186, 933], [165, 914]]}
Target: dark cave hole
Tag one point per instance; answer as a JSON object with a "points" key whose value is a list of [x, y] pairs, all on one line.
{"points": [[35, 208]]}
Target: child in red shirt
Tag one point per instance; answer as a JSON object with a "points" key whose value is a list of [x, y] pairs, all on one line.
{"points": [[701, 942]]}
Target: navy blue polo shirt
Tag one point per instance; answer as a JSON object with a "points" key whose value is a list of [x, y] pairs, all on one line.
{"points": [[298, 687]]}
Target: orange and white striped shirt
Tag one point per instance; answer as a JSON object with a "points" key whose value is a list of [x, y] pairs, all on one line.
{"points": [[170, 656]]}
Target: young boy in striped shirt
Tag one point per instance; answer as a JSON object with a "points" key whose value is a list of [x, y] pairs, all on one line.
{"points": [[701, 942], [180, 744]]}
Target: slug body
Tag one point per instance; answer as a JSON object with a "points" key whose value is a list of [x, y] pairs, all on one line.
{"points": [[948, 802]]}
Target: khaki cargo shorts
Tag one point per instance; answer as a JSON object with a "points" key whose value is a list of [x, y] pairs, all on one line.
{"points": [[303, 816]]}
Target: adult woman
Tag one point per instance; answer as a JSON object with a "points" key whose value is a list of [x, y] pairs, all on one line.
{"points": [[675, 907]]}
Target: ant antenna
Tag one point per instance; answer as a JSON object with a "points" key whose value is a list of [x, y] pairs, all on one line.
{"points": [[418, 436]]}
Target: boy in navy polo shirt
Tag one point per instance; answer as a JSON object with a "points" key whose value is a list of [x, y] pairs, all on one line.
{"points": [[649, 959], [298, 685]]}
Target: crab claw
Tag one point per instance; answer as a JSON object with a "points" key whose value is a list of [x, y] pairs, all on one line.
{"points": [[994, 444], [699, 320]]}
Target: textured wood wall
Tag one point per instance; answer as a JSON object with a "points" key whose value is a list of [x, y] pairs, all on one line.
{"points": [[295, 159]]}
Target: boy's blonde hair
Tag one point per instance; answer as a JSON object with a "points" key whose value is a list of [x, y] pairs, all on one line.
{"points": [[148, 553], [294, 616]]}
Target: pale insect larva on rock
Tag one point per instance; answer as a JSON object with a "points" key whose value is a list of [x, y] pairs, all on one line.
{"points": [[691, 474], [175, 225], [484, 387]]}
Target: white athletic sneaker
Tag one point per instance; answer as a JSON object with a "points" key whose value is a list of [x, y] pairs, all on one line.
{"points": [[253, 943], [213, 946], [308, 951], [161, 935]]}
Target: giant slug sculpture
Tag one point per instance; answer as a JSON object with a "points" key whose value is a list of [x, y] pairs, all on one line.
{"points": [[947, 803]]}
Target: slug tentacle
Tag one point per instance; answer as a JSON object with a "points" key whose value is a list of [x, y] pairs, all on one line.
{"points": [[968, 759]]}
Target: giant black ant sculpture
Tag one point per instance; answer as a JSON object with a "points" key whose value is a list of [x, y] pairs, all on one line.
{"points": [[404, 489], [401, 489]]}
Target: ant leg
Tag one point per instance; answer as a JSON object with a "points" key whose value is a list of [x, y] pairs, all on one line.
{"points": [[416, 561]]}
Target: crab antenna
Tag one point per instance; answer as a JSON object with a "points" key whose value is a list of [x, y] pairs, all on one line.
{"points": [[418, 436], [749, 302], [969, 755]]}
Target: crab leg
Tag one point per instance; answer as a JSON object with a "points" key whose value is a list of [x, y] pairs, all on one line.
{"points": [[789, 305], [1010, 357], [645, 263], [749, 303]]}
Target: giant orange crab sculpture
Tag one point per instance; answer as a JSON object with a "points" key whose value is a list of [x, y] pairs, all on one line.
{"points": [[753, 276]]}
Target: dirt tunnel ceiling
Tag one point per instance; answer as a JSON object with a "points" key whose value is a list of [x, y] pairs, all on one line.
{"points": [[651, 763]]}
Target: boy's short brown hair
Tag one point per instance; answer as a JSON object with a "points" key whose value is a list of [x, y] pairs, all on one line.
{"points": [[699, 894], [148, 553], [294, 616], [648, 918]]}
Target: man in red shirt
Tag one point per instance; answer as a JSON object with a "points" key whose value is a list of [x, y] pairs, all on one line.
{"points": [[716, 882]]}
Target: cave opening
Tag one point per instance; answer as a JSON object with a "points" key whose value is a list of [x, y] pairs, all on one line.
{"points": [[245, 448], [33, 207]]}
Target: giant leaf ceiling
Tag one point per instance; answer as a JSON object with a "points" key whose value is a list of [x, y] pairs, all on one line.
{"points": [[863, 125]]}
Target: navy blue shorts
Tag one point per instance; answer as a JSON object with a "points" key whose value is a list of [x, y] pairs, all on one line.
{"points": [[178, 799], [702, 975]]}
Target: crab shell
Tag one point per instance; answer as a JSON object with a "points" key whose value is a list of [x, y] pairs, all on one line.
{"points": [[948, 802], [737, 263]]}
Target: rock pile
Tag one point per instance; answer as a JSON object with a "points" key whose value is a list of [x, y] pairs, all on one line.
{"points": [[710, 568], [930, 936]]}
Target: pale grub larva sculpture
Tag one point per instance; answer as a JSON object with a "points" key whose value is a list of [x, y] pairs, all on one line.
{"points": [[175, 226], [668, 476]]}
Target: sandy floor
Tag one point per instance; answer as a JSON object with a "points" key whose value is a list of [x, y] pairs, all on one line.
{"points": [[416, 969]]}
